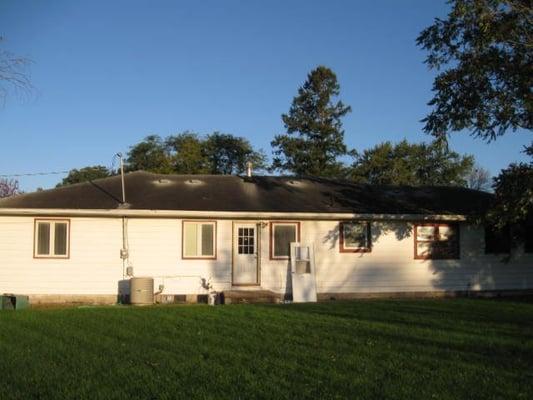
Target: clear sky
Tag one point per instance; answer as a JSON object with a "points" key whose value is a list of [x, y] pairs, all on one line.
{"points": [[108, 73]]}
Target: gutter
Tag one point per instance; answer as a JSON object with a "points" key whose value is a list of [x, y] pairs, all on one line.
{"points": [[253, 215]]}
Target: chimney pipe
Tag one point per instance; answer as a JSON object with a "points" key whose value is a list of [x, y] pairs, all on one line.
{"points": [[249, 169]]}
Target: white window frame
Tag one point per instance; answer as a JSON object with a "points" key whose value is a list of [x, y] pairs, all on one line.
{"points": [[199, 240], [51, 248], [273, 225]]}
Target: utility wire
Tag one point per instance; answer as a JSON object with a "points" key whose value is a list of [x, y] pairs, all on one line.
{"points": [[34, 174]]}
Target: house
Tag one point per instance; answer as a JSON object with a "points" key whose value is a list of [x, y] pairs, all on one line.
{"points": [[78, 243]]}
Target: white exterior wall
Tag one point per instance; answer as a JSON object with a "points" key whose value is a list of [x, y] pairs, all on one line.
{"points": [[95, 267]]}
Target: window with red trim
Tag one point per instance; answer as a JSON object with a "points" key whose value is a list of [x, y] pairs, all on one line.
{"points": [[436, 241]]}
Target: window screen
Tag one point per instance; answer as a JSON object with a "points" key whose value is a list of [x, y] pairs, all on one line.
{"points": [[355, 236], [198, 239], [208, 240], [43, 238], [51, 238], [438, 241], [283, 234]]}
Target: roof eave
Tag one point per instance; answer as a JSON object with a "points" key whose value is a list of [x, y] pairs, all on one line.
{"points": [[118, 213]]}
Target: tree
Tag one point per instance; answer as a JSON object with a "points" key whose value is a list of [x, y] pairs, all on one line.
{"points": [[227, 154], [478, 179], [149, 155], [85, 174], [13, 74], [412, 164], [187, 153], [9, 187], [485, 50], [513, 190], [315, 138]]}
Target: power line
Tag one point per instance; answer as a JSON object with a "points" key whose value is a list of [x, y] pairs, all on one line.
{"points": [[33, 174]]}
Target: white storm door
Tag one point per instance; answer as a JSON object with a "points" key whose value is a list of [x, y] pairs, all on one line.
{"points": [[245, 265]]}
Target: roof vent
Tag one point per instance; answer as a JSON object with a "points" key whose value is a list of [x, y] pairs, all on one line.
{"points": [[294, 182], [163, 181], [193, 182]]}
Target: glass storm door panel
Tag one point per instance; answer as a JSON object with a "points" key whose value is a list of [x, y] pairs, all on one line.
{"points": [[245, 271]]}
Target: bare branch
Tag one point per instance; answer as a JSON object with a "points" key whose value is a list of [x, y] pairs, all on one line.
{"points": [[14, 75]]}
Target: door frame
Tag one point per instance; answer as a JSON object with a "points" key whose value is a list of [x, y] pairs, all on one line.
{"points": [[257, 249]]}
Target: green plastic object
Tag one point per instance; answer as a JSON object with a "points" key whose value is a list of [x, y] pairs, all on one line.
{"points": [[21, 302], [14, 302]]}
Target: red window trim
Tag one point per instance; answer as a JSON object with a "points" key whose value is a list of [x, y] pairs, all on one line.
{"points": [[456, 253], [343, 249]]}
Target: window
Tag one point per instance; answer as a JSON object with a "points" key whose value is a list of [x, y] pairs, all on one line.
{"points": [[199, 239], [51, 238], [497, 241], [281, 236], [436, 241], [246, 241], [354, 237]]}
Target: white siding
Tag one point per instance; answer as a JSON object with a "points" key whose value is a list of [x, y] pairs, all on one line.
{"points": [[95, 267], [155, 250]]}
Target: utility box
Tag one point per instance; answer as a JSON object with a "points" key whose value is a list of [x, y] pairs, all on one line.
{"points": [[141, 291], [14, 302]]}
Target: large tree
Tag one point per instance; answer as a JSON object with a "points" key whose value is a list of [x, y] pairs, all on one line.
{"points": [[190, 153], [228, 155], [151, 154], [484, 52], [187, 153], [412, 164], [314, 141], [85, 174]]}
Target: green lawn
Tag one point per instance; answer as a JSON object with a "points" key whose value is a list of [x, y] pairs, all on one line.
{"points": [[374, 349]]}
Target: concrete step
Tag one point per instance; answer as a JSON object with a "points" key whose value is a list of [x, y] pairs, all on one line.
{"points": [[251, 296]]}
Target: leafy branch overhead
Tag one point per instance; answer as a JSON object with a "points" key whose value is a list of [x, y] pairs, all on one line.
{"points": [[484, 52]]}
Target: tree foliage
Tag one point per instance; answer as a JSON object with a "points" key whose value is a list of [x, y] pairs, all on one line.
{"points": [[228, 155], [9, 187], [190, 153], [513, 189], [315, 139], [485, 51], [85, 174], [187, 153], [151, 154], [412, 164]]}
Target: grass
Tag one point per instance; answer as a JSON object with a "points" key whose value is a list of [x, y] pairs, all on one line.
{"points": [[376, 349]]}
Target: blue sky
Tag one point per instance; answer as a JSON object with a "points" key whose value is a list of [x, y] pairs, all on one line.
{"points": [[108, 73]]}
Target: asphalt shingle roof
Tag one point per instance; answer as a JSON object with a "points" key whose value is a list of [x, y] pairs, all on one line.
{"points": [[147, 191]]}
